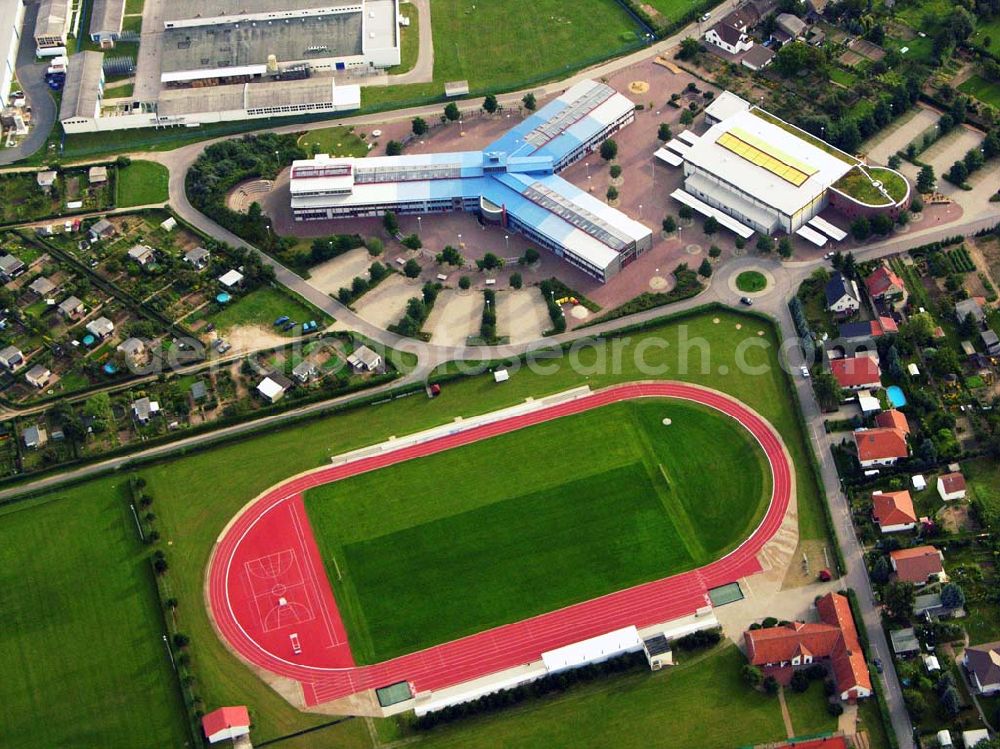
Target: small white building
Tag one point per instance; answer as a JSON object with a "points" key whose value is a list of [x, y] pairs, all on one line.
{"points": [[270, 390], [145, 409], [46, 178], [231, 279], [97, 175], [364, 358], [944, 738], [35, 437], [102, 327], [501, 375], [142, 254], [198, 257], [226, 723], [971, 738], [38, 376], [951, 486], [919, 482], [11, 357]]}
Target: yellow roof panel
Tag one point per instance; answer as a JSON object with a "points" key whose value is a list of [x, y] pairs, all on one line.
{"points": [[754, 154]]}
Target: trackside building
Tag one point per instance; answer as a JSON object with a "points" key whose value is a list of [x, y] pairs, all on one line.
{"points": [[513, 182]]}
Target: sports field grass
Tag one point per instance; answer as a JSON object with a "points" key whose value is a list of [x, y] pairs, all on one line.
{"points": [[499, 546], [196, 496], [83, 662], [141, 183]]}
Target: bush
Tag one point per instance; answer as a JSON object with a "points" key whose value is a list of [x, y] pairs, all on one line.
{"points": [[835, 709], [705, 269], [685, 212], [714, 251], [516, 282], [711, 225], [800, 682], [615, 171], [412, 242], [529, 257], [669, 224], [464, 282], [612, 194], [703, 638], [411, 269], [393, 148]]}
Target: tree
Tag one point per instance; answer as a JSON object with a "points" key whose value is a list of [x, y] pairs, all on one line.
{"points": [[419, 126], [181, 640], [711, 225], [615, 171], [785, 248], [687, 117], [664, 133], [609, 150], [796, 56], [412, 241], [612, 194], [898, 598], [926, 181], [490, 105], [752, 675], [881, 223], [770, 685], [393, 148], [449, 256], [390, 223], [861, 228], [411, 269], [827, 390], [714, 251], [881, 570], [894, 161], [944, 361], [705, 269], [170, 603], [952, 596], [764, 243], [451, 112], [690, 48], [358, 286], [800, 682], [464, 282], [669, 224], [516, 282], [374, 245], [530, 257], [528, 100], [490, 261], [951, 702], [968, 327], [958, 173]]}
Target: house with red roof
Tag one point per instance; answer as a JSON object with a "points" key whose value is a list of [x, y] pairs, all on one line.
{"points": [[951, 486], [867, 330], [881, 446], [916, 565], [859, 372], [893, 511], [884, 285], [226, 723], [893, 419], [834, 640]]}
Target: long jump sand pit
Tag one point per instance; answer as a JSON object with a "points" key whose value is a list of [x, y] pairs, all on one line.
{"points": [[335, 274], [455, 317], [384, 305], [899, 137], [522, 315]]}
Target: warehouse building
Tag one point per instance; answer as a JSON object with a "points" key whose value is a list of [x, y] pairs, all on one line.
{"points": [[11, 17], [512, 183], [106, 17], [216, 43], [52, 27]]}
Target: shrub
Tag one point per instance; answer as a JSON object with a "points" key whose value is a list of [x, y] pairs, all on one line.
{"points": [[669, 224], [411, 269], [609, 150], [529, 257], [393, 148], [464, 282], [615, 171], [612, 193], [516, 282]]}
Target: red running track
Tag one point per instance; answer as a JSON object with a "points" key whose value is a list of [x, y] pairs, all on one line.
{"points": [[269, 552]]}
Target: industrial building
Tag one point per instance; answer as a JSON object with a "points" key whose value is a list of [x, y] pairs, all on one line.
{"points": [[214, 42], [11, 16], [755, 172], [106, 17], [512, 183], [52, 26]]}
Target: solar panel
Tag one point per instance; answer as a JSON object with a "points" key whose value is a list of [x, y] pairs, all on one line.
{"points": [[398, 173], [579, 217], [562, 119], [759, 152]]}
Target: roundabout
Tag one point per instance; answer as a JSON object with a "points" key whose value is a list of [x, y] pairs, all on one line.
{"points": [[300, 634]]}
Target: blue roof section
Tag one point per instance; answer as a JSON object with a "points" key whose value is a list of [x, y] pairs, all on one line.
{"points": [[513, 143]]}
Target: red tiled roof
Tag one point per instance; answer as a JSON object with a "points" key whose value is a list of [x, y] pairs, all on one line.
{"points": [[881, 443], [953, 482], [886, 325], [882, 280], [893, 508], [856, 371], [225, 718], [831, 742], [777, 644], [893, 419], [917, 564], [848, 660]]}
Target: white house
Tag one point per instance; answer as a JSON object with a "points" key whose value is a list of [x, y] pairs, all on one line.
{"points": [[145, 409], [231, 279], [270, 389], [730, 33], [842, 295], [11, 357], [364, 358], [102, 327], [971, 738], [142, 254], [38, 376], [951, 486]]}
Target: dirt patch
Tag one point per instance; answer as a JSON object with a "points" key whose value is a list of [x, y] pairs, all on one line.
{"points": [[330, 276], [956, 518], [800, 572], [455, 317], [385, 304], [986, 254], [951, 148], [522, 315], [253, 338]]}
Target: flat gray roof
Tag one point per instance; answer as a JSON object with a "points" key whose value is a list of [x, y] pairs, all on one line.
{"points": [[106, 16], [182, 10], [52, 18], [83, 79], [233, 45], [234, 96]]}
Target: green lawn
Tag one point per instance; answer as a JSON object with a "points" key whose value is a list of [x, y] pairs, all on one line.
{"points": [[487, 553], [751, 280], [409, 41], [983, 476], [674, 9], [808, 710], [336, 141], [262, 307], [858, 185], [198, 494], [82, 657], [141, 183], [984, 90]]}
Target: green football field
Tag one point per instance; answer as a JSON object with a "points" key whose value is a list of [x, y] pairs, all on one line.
{"points": [[440, 547]]}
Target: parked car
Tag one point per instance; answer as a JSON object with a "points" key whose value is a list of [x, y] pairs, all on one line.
{"points": [[746, 300], [281, 321], [804, 370]]}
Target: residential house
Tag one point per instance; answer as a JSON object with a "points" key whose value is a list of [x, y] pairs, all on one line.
{"points": [[364, 358], [11, 267], [880, 446], [951, 486], [133, 349], [730, 33], [885, 286], [198, 257], [97, 175], [102, 229], [272, 388], [972, 306], [71, 308], [144, 410], [11, 357], [142, 254], [893, 419], [918, 564], [231, 279], [866, 331], [42, 286], [46, 178], [757, 57], [39, 376], [834, 640], [991, 342], [34, 437], [792, 25], [982, 664], [842, 296], [931, 606], [857, 372], [304, 371], [102, 327], [893, 511]]}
